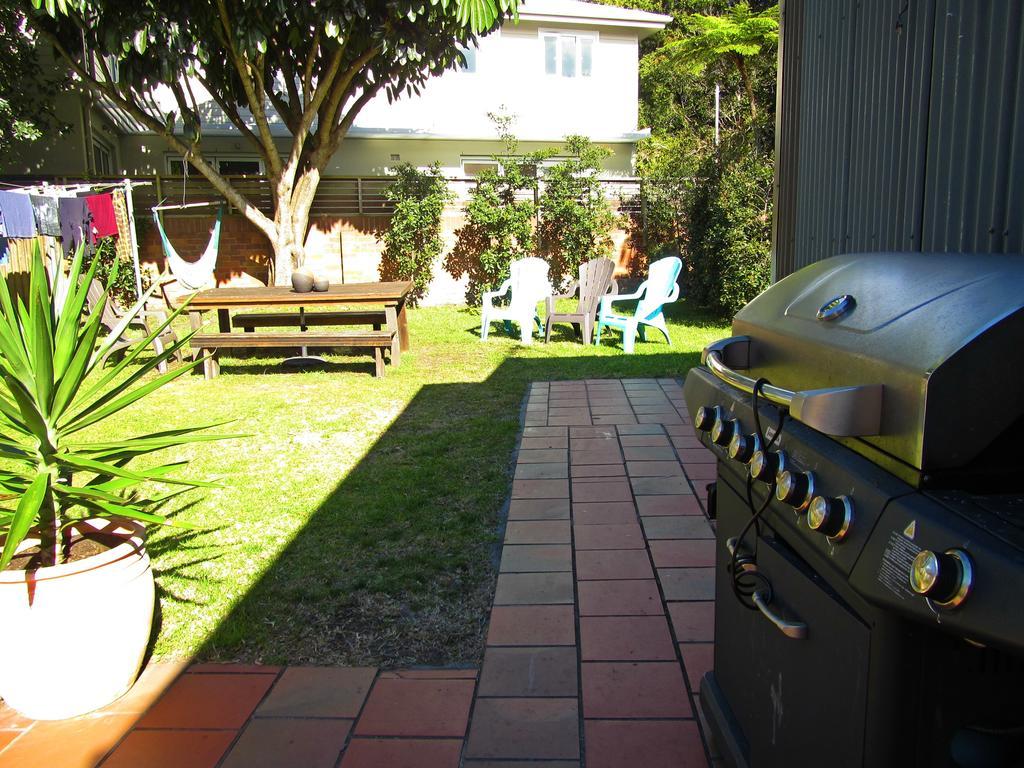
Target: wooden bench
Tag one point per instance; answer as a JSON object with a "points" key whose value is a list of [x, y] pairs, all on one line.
{"points": [[378, 340], [376, 318]]}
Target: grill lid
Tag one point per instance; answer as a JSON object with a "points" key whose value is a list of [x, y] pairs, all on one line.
{"points": [[942, 333]]}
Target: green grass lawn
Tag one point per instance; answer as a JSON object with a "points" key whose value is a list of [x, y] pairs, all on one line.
{"points": [[357, 522]]}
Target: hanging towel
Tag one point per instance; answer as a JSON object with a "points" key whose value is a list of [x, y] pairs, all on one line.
{"points": [[75, 227], [16, 212], [104, 220], [45, 209]]}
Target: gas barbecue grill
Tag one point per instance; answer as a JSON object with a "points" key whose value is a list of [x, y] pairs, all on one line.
{"points": [[867, 416]]}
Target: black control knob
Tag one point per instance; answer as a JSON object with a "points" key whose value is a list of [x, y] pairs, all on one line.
{"points": [[944, 577], [794, 488], [723, 430], [765, 465], [706, 417], [743, 447], [830, 516]]}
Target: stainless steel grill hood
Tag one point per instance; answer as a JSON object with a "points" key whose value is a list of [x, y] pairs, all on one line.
{"points": [[920, 356]]}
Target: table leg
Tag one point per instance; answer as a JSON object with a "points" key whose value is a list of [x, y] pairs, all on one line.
{"points": [[394, 325], [211, 365], [195, 319], [224, 321], [403, 327]]}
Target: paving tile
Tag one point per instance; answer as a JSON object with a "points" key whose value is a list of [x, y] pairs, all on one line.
{"points": [[6, 737], [168, 749], [623, 536], [208, 701], [521, 764], [598, 470], [687, 583], [647, 743], [544, 471], [540, 456], [402, 753], [611, 409], [535, 558], [156, 678], [613, 564], [525, 728], [617, 419], [534, 589], [698, 659], [271, 743], [538, 509], [625, 638], [549, 671], [624, 597], [608, 490], [677, 527], [657, 486], [537, 532], [11, 719], [659, 418], [429, 674], [209, 668], [641, 429], [540, 443], [649, 453], [701, 471], [417, 708], [594, 443], [540, 489], [532, 625], [644, 441], [76, 743], [654, 468], [678, 504], [632, 690], [575, 412], [609, 455], [693, 621], [318, 692], [686, 442], [683, 553], [570, 420], [697, 456], [545, 432], [568, 400], [535, 421], [604, 513], [591, 432]]}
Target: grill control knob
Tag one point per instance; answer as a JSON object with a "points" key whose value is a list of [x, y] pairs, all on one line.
{"points": [[830, 516], [723, 430], [743, 447], [765, 465], [706, 417], [794, 488], [943, 577]]}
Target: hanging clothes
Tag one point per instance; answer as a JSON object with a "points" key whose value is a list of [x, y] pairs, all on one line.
{"points": [[16, 215], [5, 256], [124, 229], [104, 221], [75, 226], [44, 207]]}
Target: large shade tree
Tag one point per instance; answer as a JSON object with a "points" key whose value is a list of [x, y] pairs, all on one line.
{"points": [[313, 63]]}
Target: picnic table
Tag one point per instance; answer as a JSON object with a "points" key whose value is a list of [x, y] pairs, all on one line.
{"points": [[342, 304]]}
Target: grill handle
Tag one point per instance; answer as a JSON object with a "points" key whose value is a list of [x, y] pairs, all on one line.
{"points": [[839, 411], [795, 630]]}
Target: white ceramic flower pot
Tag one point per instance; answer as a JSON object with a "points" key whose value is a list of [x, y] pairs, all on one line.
{"points": [[73, 636]]}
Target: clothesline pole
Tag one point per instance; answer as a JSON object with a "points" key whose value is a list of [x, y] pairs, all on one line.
{"points": [[130, 205]]}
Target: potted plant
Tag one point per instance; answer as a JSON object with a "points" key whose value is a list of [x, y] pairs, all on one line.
{"points": [[76, 589]]}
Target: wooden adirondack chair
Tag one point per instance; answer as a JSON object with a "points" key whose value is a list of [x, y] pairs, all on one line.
{"points": [[529, 286], [660, 288], [112, 317], [595, 281]]}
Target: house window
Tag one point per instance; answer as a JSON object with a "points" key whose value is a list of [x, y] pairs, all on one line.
{"points": [[469, 54], [226, 164], [475, 166], [568, 55], [102, 157]]}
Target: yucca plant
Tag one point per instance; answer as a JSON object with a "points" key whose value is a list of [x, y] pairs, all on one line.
{"points": [[54, 386]]}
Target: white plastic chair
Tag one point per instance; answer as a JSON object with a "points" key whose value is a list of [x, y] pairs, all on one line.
{"points": [[529, 286], [660, 288]]}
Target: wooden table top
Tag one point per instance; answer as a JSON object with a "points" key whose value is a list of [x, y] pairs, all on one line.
{"points": [[283, 295]]}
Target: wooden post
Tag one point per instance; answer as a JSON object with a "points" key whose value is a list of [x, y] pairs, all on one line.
{"points": [[130, 205]]}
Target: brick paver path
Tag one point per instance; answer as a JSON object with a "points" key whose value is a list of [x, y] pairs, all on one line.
{"points": [[600, 631]]}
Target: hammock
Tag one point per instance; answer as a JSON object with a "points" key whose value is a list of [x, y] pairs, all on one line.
{"points": [[197, 274]]}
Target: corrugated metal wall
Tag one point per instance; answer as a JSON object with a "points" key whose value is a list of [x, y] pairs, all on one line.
{"points": [[901, 127]]}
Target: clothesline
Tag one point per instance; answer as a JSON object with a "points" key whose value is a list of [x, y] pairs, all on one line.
{"points": [[71, 188]]}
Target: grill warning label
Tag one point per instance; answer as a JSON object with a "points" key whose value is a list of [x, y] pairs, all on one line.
{"points": [[894, 570]]}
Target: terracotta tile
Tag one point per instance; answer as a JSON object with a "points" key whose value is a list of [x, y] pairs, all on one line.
{"points": [[683, 553], [208, 701], [534, 589], [620, 598], [693, 620], [658, 506], [12, 719], [598, 470], [659, 418], [539, 509], [701, 472], [604, 513], [654, 468], [6, 737], [551, 441], [649, 453], [545, 432], [402, 753], [659, 486], [429, 674], [537, 531], [631, 690], [417, 708], [617, 419], [525, 728], [271, 743], [536, 557], [76, 743], [579, 414], [642, 429], [687, 583], [542, 471], [611, 409], [540, 489], [608, 455], [318, 692], [594, 443], [696, 456], [608, 490], [677, 527], [698, 659], [532, 625], [571, 420], [170, 749], [547, 671], [625, 638], [591, 432], [225, 668], [541, 456], [613, 564], [647, 743], [151, 685], [627, 536], [644, 441]]}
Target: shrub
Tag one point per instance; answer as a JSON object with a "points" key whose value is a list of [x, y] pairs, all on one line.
{"points": [[413, 242], [122, 280]]}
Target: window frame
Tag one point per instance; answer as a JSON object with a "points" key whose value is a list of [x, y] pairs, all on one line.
{"points": [[101, 145], [578, 36], [215, 160]]}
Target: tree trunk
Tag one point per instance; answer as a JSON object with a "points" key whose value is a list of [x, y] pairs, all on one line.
{"points": [[741, 65], [291, 220]]}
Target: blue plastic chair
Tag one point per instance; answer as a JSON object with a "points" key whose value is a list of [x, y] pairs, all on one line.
{"points": [[660, 288]]}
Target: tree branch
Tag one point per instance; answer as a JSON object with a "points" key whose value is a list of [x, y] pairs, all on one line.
{"points": [[307, 72], [232, 113]]}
